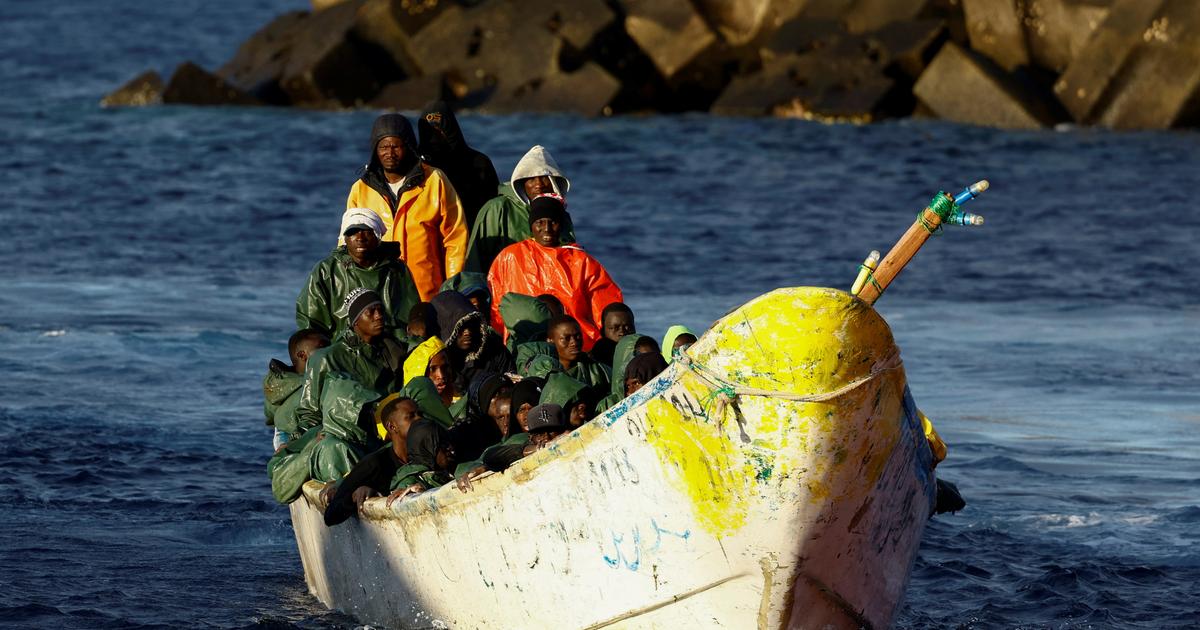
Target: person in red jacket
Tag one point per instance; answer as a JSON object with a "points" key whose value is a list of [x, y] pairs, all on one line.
{"points": [[540, 265]]}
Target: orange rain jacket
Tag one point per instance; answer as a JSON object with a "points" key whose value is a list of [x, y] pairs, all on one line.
{"points": [[566, 272]]}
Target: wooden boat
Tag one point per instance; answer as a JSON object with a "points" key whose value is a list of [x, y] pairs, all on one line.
{"points": [[778, 477]]}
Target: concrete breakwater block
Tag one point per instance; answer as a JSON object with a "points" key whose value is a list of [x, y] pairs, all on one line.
{"points": [[966, 88], [995, 30], [144, 89], [192, 85], [588, 91], [671, 32], [869, 15], [906, 48], [1088, 77], [259, 62], [1159, 86], [1057, 30]]}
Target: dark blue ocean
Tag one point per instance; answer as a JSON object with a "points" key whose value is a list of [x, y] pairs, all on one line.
{"points": [[152, 257]]}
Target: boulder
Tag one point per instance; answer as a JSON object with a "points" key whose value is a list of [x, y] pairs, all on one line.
{"points": [[906, 48], [995, 31], [411, 94], [588, 91], [804, 34], [144, 89], [192, 85], [737, 21], [1057, 30], [967, 88], [671, 32], [869, 15], [1159, 87], [758, 93], [260, 60], [329, 65], [1088, 77], [827, 9]]}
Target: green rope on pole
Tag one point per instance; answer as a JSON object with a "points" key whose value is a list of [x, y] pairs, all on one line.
{"points": [[943, 206]]}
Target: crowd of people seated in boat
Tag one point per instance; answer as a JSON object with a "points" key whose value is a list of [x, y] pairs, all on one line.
{"points": [[456, 328]]}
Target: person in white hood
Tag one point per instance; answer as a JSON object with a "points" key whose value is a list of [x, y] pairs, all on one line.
{"points": [[505, 219]]}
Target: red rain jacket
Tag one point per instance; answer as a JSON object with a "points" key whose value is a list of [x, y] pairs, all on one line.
{"points": [[566, 272]]}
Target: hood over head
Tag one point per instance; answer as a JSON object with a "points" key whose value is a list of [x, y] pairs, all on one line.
{"points": [[440, 133], [455, 313], [563, 390], [280, 382], [417, 362], [424, 439], [483, 388], [538, 162], [621, 358], [346, 412], [669, 340], [393, 125], [644, 367], [528, 390], [467, 283], [525, 317]]}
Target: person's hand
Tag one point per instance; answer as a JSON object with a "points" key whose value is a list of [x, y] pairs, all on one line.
{"points": [[327, 493], [361, 494], [403, 492], [464, 482]]}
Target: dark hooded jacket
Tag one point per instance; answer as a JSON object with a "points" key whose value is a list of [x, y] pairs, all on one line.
{"points": [[425, 438], [337, 275], [444, 146], [624, 353], [425, 218], [455, 314]]}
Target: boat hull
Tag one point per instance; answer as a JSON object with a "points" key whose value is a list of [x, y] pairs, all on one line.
{"points": [[719, 495]]}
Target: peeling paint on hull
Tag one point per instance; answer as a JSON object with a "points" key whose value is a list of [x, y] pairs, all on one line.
{"points": [[671, 510]]}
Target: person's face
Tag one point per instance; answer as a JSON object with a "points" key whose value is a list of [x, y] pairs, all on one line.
{"points": [[466, 340], [579, 414], [545, 232], [632, 385], [416, 328], [390, 152], [370, 323], [401, 418], [545, 437], [361, 245], [440, 372], [446, 458], [568, 340], [683, 341], [535, 186], [499, 410], [618, 324], [523, 416]]}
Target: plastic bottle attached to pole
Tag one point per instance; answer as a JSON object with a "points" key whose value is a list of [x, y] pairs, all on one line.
{"points": [[864, 272]]}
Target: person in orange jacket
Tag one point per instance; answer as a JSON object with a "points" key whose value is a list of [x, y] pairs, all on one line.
{"points": [[416, 202], [539, 265]]}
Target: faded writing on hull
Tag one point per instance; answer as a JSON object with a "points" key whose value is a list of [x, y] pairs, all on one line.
{"points": [[629, 554]]}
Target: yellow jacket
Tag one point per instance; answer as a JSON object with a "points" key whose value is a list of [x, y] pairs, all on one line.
{"points": [[427, 220]]}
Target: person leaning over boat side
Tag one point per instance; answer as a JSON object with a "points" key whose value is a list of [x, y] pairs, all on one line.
{"points": [[504, 219], [677, 339], [431, 460], [443, 146], [372, 475], [564, 334], [283, 382], [363, 351], [416, 202], [362, 262], [471, 343], [495, 395], [616, 321], [541, 264]]}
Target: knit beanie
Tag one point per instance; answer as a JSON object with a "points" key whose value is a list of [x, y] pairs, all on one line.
{"points": [[356, 302], [546, 207]]}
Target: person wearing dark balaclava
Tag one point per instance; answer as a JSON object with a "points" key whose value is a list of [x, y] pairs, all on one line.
{"points": [[416, 202], [471, 343], [444, 146]]}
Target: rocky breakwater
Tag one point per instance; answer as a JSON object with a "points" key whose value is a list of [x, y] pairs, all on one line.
{"points": [[1127, 64]]}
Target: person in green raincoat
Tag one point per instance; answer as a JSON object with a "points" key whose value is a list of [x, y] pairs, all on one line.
{"points": [[626, 349], [282, 384], [566, 336], [525, 318], [431, 459], [363, 351], [504, 219], [575, 398], [363, 262], [372, 475]]}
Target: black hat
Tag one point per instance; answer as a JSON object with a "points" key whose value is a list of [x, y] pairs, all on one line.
{"points": [[546, 207], [545, 418], [356, 302]]}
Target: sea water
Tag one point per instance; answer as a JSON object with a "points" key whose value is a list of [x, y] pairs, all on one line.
{"points": [[152, 257]]}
